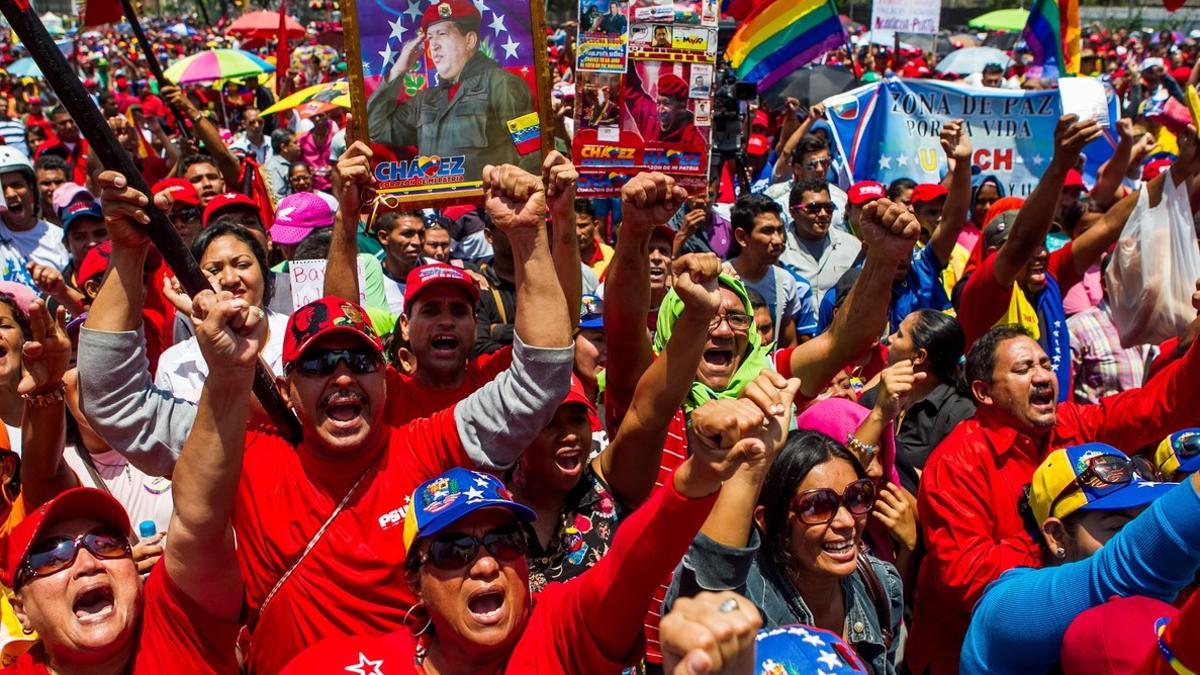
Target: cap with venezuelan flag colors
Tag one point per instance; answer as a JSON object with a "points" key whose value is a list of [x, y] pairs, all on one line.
{"points": [[440, 502], [1179, 453], [1103, 475]]}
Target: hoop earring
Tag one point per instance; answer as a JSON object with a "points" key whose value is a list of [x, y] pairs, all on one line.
{"points": [[407, 614]]}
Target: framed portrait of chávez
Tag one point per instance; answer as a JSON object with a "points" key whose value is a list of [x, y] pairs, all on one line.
{"points": [[447, 87]]}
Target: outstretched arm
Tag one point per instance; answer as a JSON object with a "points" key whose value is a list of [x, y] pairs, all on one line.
{"points": [[957, 145], [206, 132], [351, 174], [559, 176], [200, 555], [44, 360], [1108, 181]]}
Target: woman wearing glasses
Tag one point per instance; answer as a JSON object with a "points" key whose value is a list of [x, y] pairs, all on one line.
{"points": [[793, 548], [1104, 531]]}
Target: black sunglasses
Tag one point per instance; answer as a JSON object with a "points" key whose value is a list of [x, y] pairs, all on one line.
{"points": [[360, 361], [1106, 471], [820, 506], [814, 207], [456, 550], [186, 213], [54, 554]]}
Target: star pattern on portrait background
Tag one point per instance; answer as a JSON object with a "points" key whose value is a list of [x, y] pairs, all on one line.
{"points": [[407, 24]]}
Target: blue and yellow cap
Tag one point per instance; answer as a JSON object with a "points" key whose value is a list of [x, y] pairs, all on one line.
{"points": [[440, 502], [1061, 467], [1179, 453]]}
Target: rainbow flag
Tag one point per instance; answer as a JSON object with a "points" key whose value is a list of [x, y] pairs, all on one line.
{"points": [[780, 36], [1052, 34]]}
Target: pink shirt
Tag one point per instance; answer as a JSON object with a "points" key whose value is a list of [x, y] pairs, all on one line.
{"points": [[1085, 294], [317, 158]]}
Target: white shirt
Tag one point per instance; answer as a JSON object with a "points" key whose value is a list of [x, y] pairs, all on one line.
{"points": [[144, 497], [260, 152], [41, 244], [182, 368]]}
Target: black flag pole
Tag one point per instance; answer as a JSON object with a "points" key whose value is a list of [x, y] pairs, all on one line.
{"points": [[102, 141], [156, 70]]}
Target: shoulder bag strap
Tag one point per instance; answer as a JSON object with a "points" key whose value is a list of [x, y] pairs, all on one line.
{"points": [[883, 608]]}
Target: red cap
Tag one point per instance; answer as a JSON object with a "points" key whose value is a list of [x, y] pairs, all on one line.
{"points": [[927, 192], [913, 69], [1074, 180], [226, 200], [450, 10], [122, 82], [1181, 74], [181, 189], [757, 145], [322, 317], [80, 502], [672, 86], [760, 119], [95, 263], [865, 191], [664, 231], [576, 394], [421, 279], [1153, 169], [1114, 637]]}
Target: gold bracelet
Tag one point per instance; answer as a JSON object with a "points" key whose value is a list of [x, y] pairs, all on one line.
{"points": [[44, 399]]}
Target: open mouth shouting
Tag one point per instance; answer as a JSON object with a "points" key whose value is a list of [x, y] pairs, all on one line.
{"points": [[344, 408], [840, 551], [486, 606], [444, 345], [1042, 399], [94, 604], [569, 460]]}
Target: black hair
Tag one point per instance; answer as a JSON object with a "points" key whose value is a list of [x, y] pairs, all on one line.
{"points": [[981, 360], [1071, 524], [387, 221], [297, 163], [810, 185], [757, 301], [585, 207], [221, 228], [314, 246], [194, 159], [993, 69], [749, 207], [942, 339], [50, 162], [280, 138], [808, 144], [19, 314], [896, 187], [60, 110], [802, 452]]}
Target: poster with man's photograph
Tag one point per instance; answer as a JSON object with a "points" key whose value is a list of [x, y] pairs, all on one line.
{"points": [[603, 36], [679, 12], [450, 87]]}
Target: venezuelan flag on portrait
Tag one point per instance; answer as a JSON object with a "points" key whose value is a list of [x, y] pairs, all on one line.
{"points": [[1052, 34], [780, 36], [526, 133]]}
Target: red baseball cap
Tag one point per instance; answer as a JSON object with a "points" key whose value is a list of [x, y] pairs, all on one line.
{"points": [[322, 317], [421, 279], [94, 263], [1153, 169], [1114, 637], [576, 394], [757, 145], [1074, 180], [664, 231], [865, 191], [450, 10], [79, 502], [760, 119], [225, 201], [181, 189], [927, 192]]}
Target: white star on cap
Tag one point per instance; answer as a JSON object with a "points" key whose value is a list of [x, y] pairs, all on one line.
{"points": [[813, 639], [474, 493], [481, 481], [497, 24], [510, 48], [829, 660], [363, 663]]}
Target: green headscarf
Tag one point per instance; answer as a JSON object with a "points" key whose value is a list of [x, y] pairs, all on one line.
{"points": [[753, 360]]}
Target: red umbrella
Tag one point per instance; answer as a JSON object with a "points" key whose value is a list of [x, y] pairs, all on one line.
{"points": [[264, 25]]}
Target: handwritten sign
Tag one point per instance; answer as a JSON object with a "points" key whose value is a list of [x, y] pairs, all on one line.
{"points": [[308, 281]]}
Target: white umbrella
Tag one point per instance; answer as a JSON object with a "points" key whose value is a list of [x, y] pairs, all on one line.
{"points": [[972, 60]]}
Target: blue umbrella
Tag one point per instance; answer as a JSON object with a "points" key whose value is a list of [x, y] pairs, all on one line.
{"points": [[972, 60], [24, 67]]}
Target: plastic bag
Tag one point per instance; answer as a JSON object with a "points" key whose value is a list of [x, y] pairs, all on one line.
{"points": [[1154, 269]]}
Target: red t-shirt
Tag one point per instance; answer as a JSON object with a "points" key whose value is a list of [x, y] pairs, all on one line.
{"points": [[408, 399], [352, 581], [177, 635]]}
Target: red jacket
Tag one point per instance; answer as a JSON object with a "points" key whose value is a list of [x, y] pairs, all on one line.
{"points": [[969, 490]]}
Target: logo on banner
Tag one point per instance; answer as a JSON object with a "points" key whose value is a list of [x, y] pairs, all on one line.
{"points": [[673, 159], [422, 168]]}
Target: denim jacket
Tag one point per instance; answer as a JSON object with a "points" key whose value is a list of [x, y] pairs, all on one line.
{"points": [[709, 566]]}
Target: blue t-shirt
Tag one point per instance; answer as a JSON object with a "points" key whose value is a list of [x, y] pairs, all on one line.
{"points": [[921, 288]]}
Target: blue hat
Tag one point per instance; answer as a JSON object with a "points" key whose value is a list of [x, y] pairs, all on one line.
{"points": [[591, 312], [1063, 466], [1179, 453], [440, 502], [803, 649], [76, 210]]}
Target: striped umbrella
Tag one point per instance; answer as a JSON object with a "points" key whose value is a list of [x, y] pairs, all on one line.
{"points": [[217, 64]]}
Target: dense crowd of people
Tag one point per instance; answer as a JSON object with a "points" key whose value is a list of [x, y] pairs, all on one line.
{"points": [[813, 425]]}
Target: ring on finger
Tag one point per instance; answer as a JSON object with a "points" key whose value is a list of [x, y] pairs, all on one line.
{"points": [[728, 606]]}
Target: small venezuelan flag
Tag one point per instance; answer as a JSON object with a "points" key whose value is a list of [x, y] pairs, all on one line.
{"points": [[1052, 34], [526, 133], [780, 36]]}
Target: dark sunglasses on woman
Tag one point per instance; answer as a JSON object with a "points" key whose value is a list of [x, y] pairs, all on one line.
{"points": [[54, 554], [820, 506], [456, 550]]}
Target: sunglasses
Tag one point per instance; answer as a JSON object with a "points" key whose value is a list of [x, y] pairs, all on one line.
{"points": [[817, 163], [54, 554], [1106, 471], [814, 207], [820, 506], [736, 320], [456, 551], [360, 361], [186, 213]]}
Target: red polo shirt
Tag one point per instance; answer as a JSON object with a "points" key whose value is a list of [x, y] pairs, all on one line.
{"points": [[971, 483], [408, 399], [352, 581]]}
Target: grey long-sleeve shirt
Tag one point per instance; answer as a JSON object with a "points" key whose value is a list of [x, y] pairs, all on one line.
{"points": [[148, 426]]}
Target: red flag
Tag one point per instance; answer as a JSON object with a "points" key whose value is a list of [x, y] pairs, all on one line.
{"points": [[1173, 5], [258, 191], [100, 12], [282, 58]]}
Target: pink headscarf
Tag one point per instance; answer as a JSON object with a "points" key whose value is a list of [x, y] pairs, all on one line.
{"points": [[837, 418]]}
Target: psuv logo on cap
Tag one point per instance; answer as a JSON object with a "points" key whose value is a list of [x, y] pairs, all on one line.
{"points": [[438, 272]]}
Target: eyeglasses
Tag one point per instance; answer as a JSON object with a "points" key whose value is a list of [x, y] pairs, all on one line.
{"points": [[456, 551], [1105, 471], [360, 361], [814, 207], [737, 321], [820, 506], [818, 163], [186, 213], [55, 554]]}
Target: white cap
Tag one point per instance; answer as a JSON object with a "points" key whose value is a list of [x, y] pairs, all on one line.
{"points": [[1151, 62]]}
